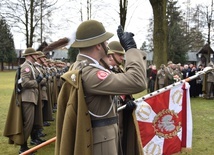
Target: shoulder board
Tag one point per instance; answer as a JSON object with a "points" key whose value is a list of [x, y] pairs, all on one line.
{"points": [[72, 77]]}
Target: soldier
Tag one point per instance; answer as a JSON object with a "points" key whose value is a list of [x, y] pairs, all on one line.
{"points": [[38, 119], [60, 65], [98, 84], [48, 111], [30, 80], [161, 77], [24, 110], [114, 58], [116, 55], [55, 91], [169, 73], [43, 91], [210, 83], [177, 73], [50, 84]]}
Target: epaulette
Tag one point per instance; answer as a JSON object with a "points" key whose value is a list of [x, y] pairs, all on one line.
{"points": [[82, 64], [72, 77]]}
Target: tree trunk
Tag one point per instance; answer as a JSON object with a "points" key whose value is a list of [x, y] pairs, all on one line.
{"points": [[160, 32], [123, 11], [2, 66]]}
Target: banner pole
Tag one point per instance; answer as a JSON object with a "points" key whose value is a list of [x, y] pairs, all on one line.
{"points": [[206, 70], [39, 146]]}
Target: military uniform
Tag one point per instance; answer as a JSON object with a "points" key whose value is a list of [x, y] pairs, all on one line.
{"points": [[161, 77], [48, 109], [29, 95], [22, 107], [127, 131], [14, 122], [38, 118], [99, 85], [210, 83], [50, 87], [169, 74], [97, 90]]}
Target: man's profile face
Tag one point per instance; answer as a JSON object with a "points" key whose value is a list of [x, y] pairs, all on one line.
{"points": [[119, 58]]}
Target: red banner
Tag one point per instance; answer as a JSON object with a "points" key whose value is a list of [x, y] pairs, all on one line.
{"points": [[161, 121]]}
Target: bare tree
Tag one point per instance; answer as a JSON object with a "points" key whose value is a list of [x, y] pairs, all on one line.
{"points": [[123, 12], [26, 15], [203, 17]]}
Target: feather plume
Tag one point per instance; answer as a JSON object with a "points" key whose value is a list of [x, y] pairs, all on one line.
{"points": [[56, 44]]}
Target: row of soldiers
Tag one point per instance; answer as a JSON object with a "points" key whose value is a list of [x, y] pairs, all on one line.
{"points": [[34, 98], [166, 75]]}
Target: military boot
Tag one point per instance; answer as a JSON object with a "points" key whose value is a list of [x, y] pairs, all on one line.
{"points": [[23, 148], [35, 140]]}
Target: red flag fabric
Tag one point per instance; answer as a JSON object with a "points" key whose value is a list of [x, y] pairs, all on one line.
{"points": [[164, 121]]}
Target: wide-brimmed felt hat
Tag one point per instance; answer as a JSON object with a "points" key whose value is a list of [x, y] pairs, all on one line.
{"points": [[41, 54], [89, 33], [115, 47], [30, 51]]}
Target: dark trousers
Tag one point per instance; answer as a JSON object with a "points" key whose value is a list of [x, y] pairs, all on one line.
{"points": [[28, 113]]}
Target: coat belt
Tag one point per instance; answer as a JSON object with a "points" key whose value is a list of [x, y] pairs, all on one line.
{"points": [[104, 122]]}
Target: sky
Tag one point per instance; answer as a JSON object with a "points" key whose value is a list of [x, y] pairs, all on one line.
{"points": [[139, 13]]}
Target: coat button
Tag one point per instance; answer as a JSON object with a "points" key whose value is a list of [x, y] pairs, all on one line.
{"points": [[105, 138], [86, 113], [88, 145], [88, 129]]}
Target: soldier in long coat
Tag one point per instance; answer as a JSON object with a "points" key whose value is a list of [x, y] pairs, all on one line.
{"points": [[161, 77], [210, 83], [42, 102], [13, 126], [169, 73], [127, 131], [99, 84], [29, 80]]}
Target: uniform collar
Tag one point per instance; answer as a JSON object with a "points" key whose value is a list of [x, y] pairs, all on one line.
{"points": [[29, 62], [90, 58], [91, 61], [38, 64]]}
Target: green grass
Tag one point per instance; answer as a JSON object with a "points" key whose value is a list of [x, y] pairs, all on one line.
{"points": [[6, 88], [202, 110]]}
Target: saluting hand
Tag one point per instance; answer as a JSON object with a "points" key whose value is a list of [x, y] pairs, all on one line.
{"points": [[126, 38]]}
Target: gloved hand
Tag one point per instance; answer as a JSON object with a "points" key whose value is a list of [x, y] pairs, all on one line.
{"points": [[39, 78], [130, 105], [47, 76], [126, 39]]}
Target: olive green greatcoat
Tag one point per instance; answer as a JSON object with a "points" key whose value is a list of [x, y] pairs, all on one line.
{"points": [[55, 91], [98, 91], [169, 76], [13, 126], [38, 109], [50, 87], [73, 119], [47, 109]]}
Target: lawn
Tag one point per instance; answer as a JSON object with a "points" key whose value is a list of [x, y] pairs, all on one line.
{"points": [[6, 88], [202, 110]]}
